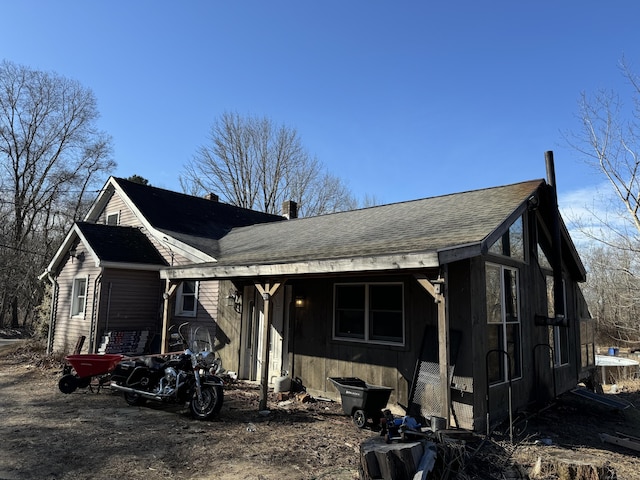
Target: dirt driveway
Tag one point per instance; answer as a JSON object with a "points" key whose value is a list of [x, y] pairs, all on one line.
{"points": [[48, 435]]}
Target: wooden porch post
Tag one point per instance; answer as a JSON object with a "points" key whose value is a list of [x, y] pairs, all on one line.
{"points": [[437, 290], [170, 290], [267, 291]]}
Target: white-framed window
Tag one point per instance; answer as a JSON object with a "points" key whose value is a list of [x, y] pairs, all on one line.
{"points": [[187, 299], [113, 218], [369, 312], [558, 335], [78, 296], [503, 323]]}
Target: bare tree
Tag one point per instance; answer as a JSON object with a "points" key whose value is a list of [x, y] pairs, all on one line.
{"points": [[612, 294], [609, 141], [252, 163], [51, 156]]}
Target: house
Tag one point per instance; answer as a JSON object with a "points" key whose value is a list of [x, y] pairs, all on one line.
{"points": [[468, 305], [105, 275]]}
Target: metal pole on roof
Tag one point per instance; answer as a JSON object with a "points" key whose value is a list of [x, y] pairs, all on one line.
{"points": [[556, 245]]}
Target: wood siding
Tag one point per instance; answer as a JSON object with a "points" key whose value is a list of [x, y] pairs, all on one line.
{"points": [[130, 300], [316, 355]]}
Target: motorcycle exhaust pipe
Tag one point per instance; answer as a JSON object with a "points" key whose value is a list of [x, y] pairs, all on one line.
{"points": [[147, 395]]}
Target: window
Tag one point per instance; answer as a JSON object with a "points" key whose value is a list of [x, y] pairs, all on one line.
{"points": [[369, 312], [511, 244], [78, 296], [558, 335], [503, 323], [587, 342], [186, 299], [113, 218]]}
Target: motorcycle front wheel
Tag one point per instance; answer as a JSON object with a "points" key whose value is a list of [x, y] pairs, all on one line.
{"points": [[210, 405]]}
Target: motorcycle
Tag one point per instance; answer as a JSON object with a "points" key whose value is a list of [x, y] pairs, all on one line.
{"points": [[185, 377]]}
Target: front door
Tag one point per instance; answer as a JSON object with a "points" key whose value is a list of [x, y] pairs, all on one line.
{"points": [[253, 324]]}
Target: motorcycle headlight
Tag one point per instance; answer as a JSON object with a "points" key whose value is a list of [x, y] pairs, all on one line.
{"points": [[205, 358]]}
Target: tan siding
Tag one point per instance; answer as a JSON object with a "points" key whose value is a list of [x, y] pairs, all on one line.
{"points": [[68, 329], [205, 319], [117, 205]]}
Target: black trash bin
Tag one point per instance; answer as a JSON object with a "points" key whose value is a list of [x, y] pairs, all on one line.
{"points": [[361, 400]]}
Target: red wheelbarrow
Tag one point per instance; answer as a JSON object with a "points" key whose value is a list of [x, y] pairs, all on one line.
{"points": [[87, 366]]}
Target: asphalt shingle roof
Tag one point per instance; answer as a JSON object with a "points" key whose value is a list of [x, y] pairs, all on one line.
{"points": [[194, 220], [426, 225], [120, 244]]}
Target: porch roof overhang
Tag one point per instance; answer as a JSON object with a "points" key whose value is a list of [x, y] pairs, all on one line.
{"points": [[412, 261]]}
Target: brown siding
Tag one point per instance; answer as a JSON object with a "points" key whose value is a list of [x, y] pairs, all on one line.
{"points": [[130, 300], [318, 356]]}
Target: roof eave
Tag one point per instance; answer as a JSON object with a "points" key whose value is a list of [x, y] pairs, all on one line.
{"points": [[341, 265], [131, 266]]}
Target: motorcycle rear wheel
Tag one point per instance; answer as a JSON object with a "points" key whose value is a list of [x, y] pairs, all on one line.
{"points": [[133, 399], [211, 402]]}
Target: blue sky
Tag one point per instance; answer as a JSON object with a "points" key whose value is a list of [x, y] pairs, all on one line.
{"points": [[402, 99]]}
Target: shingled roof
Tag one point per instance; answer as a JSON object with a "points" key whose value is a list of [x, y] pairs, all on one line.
{"points": [[185, 217], [120, 244], [413, 233]]}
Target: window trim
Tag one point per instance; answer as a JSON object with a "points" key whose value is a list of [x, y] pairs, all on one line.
{"points": [[75, 311], [367, 320], [180, 295], [555, 329], [113, 214], [504, 324]]}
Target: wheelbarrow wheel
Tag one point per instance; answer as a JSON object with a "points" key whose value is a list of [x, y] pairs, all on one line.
{"points": [[68, 383], [359, 418]]}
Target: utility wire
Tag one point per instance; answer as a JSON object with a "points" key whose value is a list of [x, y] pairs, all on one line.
{"points": [[21, 250]]}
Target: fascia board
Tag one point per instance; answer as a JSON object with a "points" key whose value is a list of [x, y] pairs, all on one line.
{"points": [[184, 249], [101, 201], [64, 248], [132, 266], [313, 267]]}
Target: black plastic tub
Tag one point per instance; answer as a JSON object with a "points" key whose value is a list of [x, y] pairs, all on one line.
{"points": [[361, 400]]}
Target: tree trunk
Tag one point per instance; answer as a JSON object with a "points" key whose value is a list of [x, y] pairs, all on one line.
{"points": [[14, 312], [391, 461]]}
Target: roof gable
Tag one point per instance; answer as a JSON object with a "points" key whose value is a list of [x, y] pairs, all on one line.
{"points": [[188, 215]]}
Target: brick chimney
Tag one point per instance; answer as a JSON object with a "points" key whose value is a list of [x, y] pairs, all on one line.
{"points": [[211, 196], [289, 209]]}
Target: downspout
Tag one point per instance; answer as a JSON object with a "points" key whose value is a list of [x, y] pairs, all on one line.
{"points": [[106, 323], [556, 243], [93, 338], [52, 313]]}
